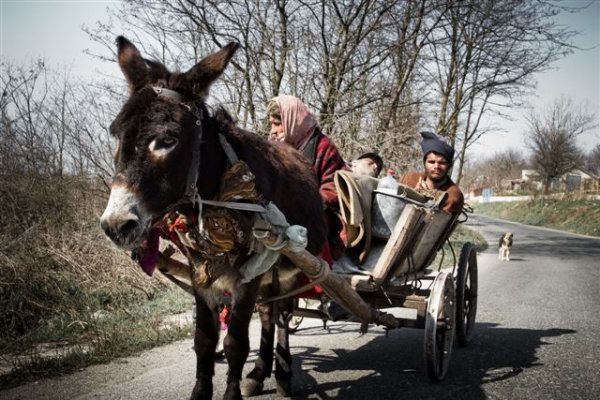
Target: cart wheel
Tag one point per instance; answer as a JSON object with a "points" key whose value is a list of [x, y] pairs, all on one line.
{"points": [[440, 326], [295, 322], [466, 295]]}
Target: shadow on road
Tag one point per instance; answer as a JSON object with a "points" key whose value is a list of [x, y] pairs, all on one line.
{"points": [[393, 367]]}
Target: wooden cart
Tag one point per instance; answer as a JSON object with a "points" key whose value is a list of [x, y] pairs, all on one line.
{"points": [[445, 300]]}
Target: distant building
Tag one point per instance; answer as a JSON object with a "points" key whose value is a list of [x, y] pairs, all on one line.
{"points": [[573, 181], [529, 181], [529, 175], [578, 181]]}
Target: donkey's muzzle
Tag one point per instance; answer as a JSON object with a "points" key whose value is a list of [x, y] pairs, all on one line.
{"points": [[124, 221], [124, 232]]}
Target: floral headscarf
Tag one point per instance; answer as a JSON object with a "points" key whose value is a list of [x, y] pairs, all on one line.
{"points": [[298, 122]]}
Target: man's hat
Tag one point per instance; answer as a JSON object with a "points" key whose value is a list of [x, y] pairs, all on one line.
{"points": [[434, 143], [375, 157]]}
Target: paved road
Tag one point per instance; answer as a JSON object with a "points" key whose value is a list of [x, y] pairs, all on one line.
{"points": [[537, 337]]}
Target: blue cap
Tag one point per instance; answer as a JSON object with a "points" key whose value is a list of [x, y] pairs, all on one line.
{"points": [[434, 143]]}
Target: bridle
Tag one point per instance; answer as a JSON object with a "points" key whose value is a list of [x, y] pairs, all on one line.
{"points": [[191, 189], [191, 194]]}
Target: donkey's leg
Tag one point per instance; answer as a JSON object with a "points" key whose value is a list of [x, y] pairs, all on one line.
{"points": [[205, 341], [283, 357], [253, 383], [237, 342]]}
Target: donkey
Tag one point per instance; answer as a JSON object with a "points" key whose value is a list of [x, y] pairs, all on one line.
{"points": [[171, 152]]}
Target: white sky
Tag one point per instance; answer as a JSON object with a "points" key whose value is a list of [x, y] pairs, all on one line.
{"points": [[52, 29], [577, 76]]}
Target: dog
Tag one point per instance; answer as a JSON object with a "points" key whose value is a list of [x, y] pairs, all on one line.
{"points": [[504, 245]]}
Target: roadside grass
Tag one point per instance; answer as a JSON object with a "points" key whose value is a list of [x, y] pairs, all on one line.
{"points": [[93, 339], [462, 235], [68, 297], [571, 215]]}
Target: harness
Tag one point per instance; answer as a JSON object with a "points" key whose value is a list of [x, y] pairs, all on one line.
{"points": [[229, 228], [191, 190]]}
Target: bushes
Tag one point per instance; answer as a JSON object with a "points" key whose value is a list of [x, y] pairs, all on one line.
{"points": [[63, 283], [55, 263]]}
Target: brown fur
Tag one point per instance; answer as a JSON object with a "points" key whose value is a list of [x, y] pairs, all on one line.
{"points": [[156, 183]]}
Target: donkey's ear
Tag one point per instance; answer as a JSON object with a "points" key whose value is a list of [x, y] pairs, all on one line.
{"points": [[203, 74], [132, 64]]}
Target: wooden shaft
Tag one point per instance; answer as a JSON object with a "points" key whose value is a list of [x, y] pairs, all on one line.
{"points": [[335, 286]]}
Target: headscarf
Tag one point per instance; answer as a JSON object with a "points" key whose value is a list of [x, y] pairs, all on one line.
{"points": [[298, 122]]}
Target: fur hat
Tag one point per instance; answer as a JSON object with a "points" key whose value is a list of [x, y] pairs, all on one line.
{"points": [[434, 143], [375, 157]]}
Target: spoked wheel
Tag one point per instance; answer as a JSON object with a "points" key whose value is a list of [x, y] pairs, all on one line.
{"points": [[295, 322], [466, 295], [440, 326]]}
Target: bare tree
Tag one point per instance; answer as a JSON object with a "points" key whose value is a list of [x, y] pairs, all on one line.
{"points": [[389, 121], [370, 69], [91, 109], [492, 171], [53, 124], [484, 56], [592, 161], [551, 138], [25, 146]]}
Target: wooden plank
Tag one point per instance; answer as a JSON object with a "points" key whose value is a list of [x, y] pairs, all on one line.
{"points": [[406, 226], [427, 244]]}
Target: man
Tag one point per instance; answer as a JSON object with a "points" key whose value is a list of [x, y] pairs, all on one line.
{"points": [[437, 160], [369, 164]]}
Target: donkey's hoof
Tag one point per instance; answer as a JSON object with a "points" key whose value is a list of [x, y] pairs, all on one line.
{"points": [[251, 387], [202, 392], [233, 391], [284, 388]]}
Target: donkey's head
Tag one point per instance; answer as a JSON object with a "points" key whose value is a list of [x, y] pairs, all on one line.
{"points": [[158, 132]]}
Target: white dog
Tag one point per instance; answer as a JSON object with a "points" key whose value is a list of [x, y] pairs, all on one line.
{"points": [[504, 245]]}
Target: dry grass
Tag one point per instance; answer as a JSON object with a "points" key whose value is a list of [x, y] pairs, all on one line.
{"points": [[54, 260], [58, 272]]}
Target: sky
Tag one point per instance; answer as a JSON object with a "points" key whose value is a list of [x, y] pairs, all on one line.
{"points": [[52, 29], [576, 76]]}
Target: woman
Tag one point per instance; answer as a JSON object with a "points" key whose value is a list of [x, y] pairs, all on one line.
{"points": [[292, 123]]}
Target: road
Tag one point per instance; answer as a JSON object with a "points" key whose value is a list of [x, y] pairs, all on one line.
{"points": [[537, 337]]}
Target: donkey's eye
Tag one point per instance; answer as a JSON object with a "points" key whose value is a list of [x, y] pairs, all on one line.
{"points": [[167, 141], [162, 145]]}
